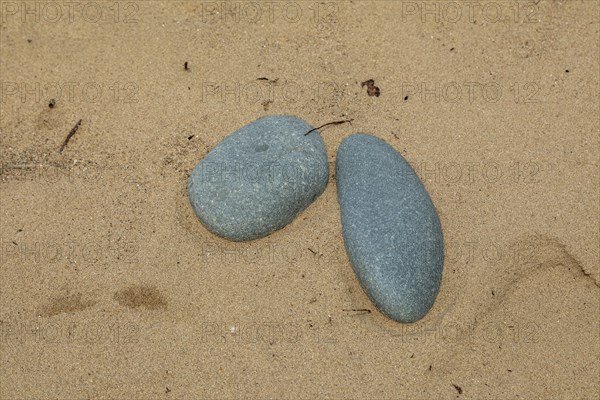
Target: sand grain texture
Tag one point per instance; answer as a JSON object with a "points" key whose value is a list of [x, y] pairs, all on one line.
{"points": [[111, 288]]}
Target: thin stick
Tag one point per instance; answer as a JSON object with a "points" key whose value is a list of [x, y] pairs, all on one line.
{"points": [[330, 123], [70, 135]]}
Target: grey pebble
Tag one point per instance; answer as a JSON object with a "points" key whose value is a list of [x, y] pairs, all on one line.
{"points": [[391, 229], [259, 178]]}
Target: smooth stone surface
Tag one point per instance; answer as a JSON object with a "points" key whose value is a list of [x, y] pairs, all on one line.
{"points": [[259, 178], [391, 229]]}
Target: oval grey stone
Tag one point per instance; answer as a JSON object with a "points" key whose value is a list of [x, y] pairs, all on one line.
{"points": [[259, 178], [390, 227]]}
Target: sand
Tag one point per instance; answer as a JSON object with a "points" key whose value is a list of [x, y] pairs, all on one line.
{"points": [[111, 288]]}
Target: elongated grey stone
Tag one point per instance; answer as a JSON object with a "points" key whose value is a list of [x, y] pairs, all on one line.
{"points": [[259, 178], [390, 226]]}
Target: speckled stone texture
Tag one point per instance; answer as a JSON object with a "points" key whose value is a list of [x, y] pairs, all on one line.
{"points": [[391, 229], [259, 178]]}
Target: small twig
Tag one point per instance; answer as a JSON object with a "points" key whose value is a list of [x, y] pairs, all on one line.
{"points": [[458, 388], [330, 123], [360, 310], [268, 80], [273, 81], [70, 135]]}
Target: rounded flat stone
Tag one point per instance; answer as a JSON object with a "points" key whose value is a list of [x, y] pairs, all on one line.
{"points": [[391, 229], [259, 178]]}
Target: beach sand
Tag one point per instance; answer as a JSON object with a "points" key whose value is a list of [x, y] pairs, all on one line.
{"points": [[111, 288]]}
